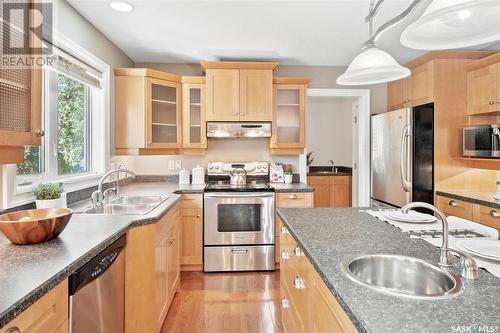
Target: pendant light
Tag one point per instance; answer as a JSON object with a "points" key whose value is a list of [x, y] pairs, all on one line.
{"points": [[373, 65], [452, 24]]}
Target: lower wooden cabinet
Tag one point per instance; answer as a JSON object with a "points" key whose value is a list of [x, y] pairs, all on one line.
{"points": [[478, 213], [47, 315], [331, 191], [306, 304], [192, 232], [152, 272], [289, 200]]}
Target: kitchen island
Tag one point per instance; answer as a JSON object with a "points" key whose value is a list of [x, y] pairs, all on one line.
{"points": [[329, 236]]}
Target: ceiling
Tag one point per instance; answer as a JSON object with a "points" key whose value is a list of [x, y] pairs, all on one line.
{"points": [[305, 32]]}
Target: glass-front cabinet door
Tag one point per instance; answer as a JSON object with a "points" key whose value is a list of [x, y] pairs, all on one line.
{"points": [[289, 116], [194, 126], [164, 116]]}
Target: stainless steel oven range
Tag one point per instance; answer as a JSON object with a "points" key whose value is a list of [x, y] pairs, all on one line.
{"points": [[239, 219]]}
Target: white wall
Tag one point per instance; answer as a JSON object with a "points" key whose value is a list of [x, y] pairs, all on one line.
{"points": [[329, 130]]}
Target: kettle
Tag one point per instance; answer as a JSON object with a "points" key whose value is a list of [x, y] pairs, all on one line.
{"points": [[238, 178]]}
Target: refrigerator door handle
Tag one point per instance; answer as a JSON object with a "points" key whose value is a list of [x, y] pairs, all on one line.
{"points": [[404, 158]]}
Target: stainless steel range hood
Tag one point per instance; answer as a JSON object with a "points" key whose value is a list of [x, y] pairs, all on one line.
{"points": [[238, 129]]}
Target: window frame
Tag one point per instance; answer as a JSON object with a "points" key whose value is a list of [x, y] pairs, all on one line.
{"points": [[98, 140]]}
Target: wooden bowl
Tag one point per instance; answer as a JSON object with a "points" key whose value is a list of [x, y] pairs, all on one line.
{"points": [[34, 225]]}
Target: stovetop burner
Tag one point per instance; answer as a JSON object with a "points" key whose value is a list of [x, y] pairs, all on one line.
{"points": [[251, 186]]}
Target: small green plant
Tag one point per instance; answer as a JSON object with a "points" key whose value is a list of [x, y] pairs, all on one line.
{"points": [[48, 191], [289, 172]]}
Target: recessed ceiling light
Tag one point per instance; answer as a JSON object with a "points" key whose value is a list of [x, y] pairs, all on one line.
{"points": [[121, 6]]}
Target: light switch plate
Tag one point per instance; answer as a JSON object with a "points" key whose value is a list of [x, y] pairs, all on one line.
{"points": [[171, 165], [178, 164]]}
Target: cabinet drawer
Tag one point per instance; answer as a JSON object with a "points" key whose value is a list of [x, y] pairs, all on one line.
{"points": [[489, 216], [455, 207], [192, 201], [294, 200], [47, 315], [340, 180], [289, 314]]}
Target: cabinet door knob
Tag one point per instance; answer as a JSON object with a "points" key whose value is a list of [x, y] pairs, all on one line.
{"points": [[292, 196], [285, 304], [284, 230], [498, 101], [284, 255], [13, 329], [198, 216], [298, 251], [298, 283], [491, 102], [494, 214], [452, 203], [40, 132]]}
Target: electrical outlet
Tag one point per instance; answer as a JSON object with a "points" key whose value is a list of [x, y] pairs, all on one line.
{"points": [[178, 164], [171, 165]]}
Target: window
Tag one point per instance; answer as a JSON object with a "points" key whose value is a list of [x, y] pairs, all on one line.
{"points": [[74, 149]]}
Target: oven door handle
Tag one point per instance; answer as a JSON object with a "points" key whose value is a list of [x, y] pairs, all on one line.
{"points": [[240, 195]]}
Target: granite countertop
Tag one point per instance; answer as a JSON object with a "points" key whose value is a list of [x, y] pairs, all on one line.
{"points": [[322, 173], [481, 198], [27, 272], [293, 187], [328, 236]]}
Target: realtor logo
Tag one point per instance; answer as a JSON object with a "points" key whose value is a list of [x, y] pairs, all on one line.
{"points": [[26, 31]]}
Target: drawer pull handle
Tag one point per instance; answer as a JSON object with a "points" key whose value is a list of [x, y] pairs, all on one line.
{"points": [[13, 329], [491, 102], [298, 252], [284, 255], [284, 230], [171, 240], [452, 203], [285, 304], [292, 196], [198, 216], [239, 251], [494, 214], [298, 283]]}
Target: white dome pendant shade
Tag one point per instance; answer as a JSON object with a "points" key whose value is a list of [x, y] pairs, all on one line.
{"points": [[372, 66], [453, 24]]}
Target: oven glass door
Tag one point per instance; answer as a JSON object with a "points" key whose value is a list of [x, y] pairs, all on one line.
{"points": [[239, 218]]}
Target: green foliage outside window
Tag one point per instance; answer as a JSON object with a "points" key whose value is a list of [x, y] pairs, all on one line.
{"points": [[31, 164], [71, 126]]}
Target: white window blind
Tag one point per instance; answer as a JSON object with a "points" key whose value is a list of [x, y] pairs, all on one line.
{"points": [[68, 65]]}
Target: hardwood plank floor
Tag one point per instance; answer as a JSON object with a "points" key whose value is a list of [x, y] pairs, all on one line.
{"points": [[226, 302]]}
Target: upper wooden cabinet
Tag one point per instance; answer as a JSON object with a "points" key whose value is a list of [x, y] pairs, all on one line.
{"points": [[417, 89], [288, 134], [194, 130], [399, 94], [148, 111], [483, 85], [20, 112], [239, 91]]}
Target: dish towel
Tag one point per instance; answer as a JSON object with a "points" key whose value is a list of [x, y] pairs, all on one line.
{"points": [[453, 223]]}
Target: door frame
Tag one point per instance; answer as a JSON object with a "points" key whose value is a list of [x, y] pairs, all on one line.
{"points": [[363, 158]]}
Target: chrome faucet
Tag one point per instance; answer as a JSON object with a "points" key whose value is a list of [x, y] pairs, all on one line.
{"points": [[97, 197], [468, 264]]}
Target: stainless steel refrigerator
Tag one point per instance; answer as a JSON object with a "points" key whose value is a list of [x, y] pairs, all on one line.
{"points": [[403, 156]]}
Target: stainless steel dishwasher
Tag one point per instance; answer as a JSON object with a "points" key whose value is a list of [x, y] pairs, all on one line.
{"points": [[97, 292]]}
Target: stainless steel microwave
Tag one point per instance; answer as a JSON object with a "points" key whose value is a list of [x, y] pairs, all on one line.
{"points": [[482, 141]]}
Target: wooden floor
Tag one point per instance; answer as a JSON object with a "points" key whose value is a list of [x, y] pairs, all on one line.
{"points": [[226, 302]]}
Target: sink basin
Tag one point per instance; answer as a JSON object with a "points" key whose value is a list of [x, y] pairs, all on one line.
{"points": [[322, 172], [127, 205], [402, 276]]}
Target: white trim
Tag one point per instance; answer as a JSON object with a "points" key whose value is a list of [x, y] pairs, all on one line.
{"points": [[364, 158]]}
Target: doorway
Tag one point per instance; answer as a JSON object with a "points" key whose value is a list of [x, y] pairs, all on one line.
{"points": [[341, 130]]}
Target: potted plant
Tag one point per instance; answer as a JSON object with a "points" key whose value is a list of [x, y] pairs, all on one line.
{"points": [[288, 176], [49, 195]]}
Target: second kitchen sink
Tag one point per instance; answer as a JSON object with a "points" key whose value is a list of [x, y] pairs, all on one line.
{"points": [[402, 276]]}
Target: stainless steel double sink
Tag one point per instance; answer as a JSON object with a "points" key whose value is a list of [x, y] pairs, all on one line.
{"points": [[402, 276], [127, 205]]}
